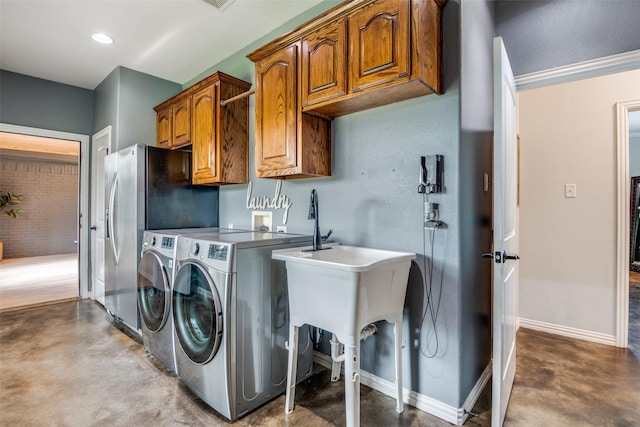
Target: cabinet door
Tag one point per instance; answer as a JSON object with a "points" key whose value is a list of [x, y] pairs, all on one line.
{"points": [[379, 43], [323, 63], [276, 112], [204, 133], [182, 122], [164, 120]]}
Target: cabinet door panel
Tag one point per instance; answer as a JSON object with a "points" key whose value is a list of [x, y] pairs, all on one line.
{"points": [[204, 133], [323, 64], [163, 128], [276, 111], [379, 43], [182, 123]]}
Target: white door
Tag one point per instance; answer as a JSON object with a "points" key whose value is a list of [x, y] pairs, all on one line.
{"points": [[505, 236], [100, 148]]}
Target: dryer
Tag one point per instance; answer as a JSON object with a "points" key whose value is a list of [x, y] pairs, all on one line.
{"points": [[155, 282], [230, 313]]}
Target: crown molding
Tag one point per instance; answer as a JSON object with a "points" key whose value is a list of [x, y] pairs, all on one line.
{"points": [[580, 70]]}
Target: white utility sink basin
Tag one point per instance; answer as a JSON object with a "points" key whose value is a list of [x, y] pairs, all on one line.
{"points": [[348, 258], [342, 289]]}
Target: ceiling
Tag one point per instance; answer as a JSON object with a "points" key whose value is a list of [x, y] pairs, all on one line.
{"points": [[171, 39], [38, 148]]}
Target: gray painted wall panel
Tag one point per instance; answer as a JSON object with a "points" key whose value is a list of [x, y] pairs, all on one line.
{"points": [[138, 94], [32, 102], [105, 108], [543, 34], [371, 200], [125, 100], [475, 207]]}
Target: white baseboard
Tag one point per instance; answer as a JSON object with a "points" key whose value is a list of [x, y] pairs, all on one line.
{"points": [[567, 331], [424, 403], [468, 404]]}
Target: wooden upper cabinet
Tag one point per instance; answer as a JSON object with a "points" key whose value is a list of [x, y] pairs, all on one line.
{"points": [[289, 144], [366, 53], [164, 127], [379, 43], [203, 149], [182, 123], [324, 72], [219, 136], [276, 112]]}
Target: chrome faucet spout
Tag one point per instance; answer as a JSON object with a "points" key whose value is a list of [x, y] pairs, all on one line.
{"points": [[314, 214]]}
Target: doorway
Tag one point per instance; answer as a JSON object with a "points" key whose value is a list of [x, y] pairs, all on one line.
{"points": [[57, 232], [39, 179]]}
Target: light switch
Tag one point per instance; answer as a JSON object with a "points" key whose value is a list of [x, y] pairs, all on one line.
{"points": [[569, 191]]}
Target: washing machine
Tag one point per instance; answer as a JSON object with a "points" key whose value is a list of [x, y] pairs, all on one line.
{"points": [[155, 281], [230, 314]]}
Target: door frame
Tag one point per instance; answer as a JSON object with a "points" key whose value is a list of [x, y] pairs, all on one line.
{"points": [[83, 199], [623, 226]]}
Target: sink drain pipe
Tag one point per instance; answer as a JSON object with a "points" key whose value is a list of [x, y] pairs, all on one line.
{"points": [[337, 349]]}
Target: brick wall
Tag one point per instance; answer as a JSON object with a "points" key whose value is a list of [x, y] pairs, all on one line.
{"points": [[49, 221]]}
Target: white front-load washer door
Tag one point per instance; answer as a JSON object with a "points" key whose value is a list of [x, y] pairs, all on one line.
{"points": [[154, 293], [197, 313]]}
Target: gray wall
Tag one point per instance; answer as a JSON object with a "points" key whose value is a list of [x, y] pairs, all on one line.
{"points": [[38, 103], [543, 34], [371, 200], [125, 100], [476, 151]]}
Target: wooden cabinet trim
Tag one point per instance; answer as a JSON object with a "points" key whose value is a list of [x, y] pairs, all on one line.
{"points": [[295, 35]]}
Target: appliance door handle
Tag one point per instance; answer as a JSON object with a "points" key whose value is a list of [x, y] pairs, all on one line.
{"points": [[110, 214]]}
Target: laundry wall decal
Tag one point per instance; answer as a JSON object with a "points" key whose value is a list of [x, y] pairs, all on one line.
{"points": [[278, 201]]}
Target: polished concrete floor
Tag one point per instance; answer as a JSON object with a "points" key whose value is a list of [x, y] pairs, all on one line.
{"points": [[65, 365]]}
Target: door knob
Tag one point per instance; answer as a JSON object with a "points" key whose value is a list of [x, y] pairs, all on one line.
{"points": [[93, 227], [514, 257]]}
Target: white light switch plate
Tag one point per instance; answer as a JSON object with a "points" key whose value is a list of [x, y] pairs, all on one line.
{"points": [[570, 191]]}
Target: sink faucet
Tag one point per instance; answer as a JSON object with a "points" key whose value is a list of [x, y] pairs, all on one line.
{"points": [[313, 214]]}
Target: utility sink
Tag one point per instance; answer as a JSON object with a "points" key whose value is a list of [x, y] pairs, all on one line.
{"points": [[344, 288]]}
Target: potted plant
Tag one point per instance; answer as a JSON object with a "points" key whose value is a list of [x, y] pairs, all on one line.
{"points": [[7, 201]]}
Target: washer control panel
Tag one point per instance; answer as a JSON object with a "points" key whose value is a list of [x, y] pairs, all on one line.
{"points": [[167, 242], [218, 252]]}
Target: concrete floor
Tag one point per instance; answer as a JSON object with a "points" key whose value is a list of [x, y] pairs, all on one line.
{"points": [[65, 365]]}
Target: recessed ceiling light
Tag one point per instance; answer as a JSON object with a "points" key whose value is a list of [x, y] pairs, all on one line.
{"points": [[102, 38]]}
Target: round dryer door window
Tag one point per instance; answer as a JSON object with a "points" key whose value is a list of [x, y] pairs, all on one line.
{"points": [[154, 294], [197, 313]]}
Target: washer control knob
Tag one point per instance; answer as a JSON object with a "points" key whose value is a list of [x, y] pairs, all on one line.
{"points": [[196, 248]]}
